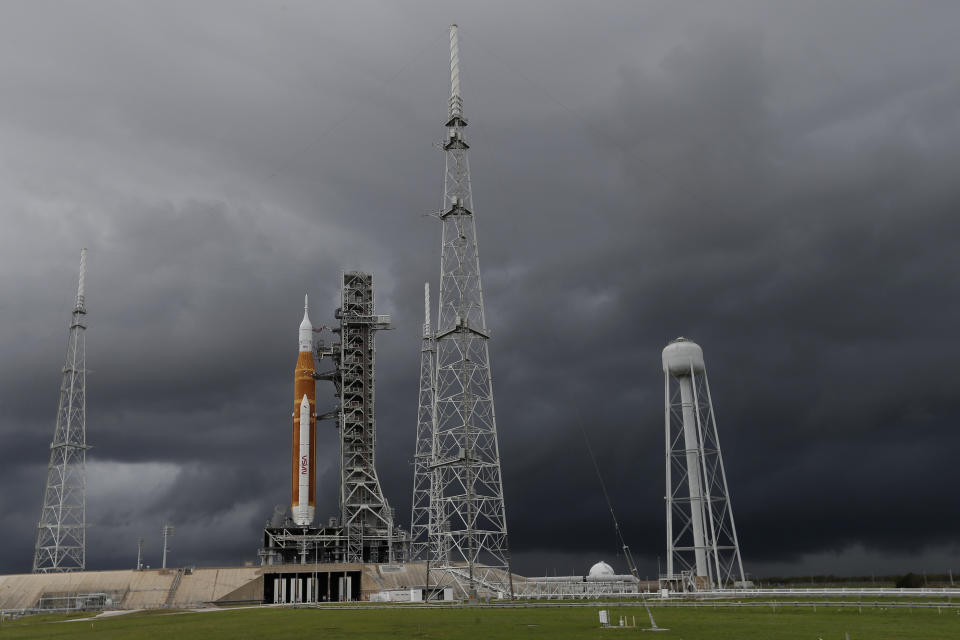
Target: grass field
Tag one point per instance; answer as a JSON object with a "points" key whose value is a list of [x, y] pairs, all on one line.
{"points": [[482, 622]]}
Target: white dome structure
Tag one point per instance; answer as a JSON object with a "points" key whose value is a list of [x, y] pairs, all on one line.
{"points": [[601, 570]]}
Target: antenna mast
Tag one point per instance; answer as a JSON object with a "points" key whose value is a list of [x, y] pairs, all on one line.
{"points": [[61, 532]]}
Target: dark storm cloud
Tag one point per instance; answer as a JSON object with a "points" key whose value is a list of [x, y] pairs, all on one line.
{"points": [[775, 181]]}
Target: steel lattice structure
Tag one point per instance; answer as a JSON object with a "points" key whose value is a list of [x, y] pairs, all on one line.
{"points": [[468, 528], [365, 529], [364, 513], [420, 510], [61, 532], [702, 547]]}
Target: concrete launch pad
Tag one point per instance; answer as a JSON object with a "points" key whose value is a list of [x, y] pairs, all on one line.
{"points": [[197, 587]]}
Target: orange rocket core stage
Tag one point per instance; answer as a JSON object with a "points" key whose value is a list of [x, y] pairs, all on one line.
{"points": [[304, 384]]}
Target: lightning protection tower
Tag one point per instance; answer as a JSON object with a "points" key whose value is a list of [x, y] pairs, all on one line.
{"points": [[61, 532], [469, 524], [420, 511], [702, 547]]}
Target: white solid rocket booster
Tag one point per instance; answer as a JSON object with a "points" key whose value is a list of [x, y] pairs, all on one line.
{"points": [[303, 513]]}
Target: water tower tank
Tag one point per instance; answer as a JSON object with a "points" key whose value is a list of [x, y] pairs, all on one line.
{"points": [[680, 355]]}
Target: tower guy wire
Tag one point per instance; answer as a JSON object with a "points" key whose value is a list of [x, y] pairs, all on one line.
{"points": [[616, 525]]}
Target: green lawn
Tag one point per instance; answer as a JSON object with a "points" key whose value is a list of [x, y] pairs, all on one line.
{"points": [[481, 622]]}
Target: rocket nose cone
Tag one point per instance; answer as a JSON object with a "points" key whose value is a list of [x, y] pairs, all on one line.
{"points": [[306, 329], [305, 402]]}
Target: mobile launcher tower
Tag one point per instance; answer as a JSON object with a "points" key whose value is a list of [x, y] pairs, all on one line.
{"points": [[364, 529], [702, 547]]}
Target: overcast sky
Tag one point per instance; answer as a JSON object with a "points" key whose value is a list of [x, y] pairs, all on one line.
{"points": [[776, 180]]}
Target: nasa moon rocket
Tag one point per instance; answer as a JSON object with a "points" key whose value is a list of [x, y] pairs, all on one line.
{"points": [[303, 476]]}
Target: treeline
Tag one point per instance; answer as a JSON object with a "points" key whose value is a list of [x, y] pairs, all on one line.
{"points": [[917, 580], [910, 580]]}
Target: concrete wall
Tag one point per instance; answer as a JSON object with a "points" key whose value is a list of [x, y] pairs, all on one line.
{"points": [[150, 588], [130, 589]]}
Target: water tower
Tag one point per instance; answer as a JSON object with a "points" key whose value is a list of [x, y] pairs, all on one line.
{"points": [[702, 547]]}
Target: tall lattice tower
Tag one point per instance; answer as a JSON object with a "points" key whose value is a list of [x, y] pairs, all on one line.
{"points": [[365, 515], [61, 533], [420, 511], [702, 547], [469, 524]]}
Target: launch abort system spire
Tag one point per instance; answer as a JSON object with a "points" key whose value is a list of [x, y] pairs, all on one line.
{"points": [[468, 528], [420, 512], [702, 547], [61, 532]]}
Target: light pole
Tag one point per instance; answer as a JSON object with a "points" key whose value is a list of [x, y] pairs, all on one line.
{"points": [[167, 532], [139, 554]]}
